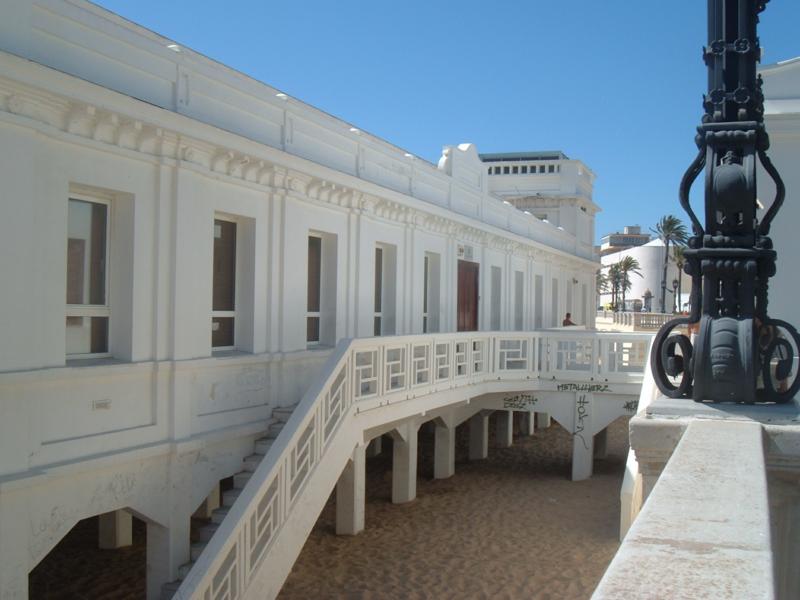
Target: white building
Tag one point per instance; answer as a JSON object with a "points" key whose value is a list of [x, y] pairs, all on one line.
{"points": [[651, 266], [182, 247]]}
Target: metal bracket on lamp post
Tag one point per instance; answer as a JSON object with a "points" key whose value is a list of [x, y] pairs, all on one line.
{"points": [[739, 354]]}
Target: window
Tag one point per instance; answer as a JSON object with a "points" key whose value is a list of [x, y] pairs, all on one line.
{"points": [[551, 169], [376, 323], [541, 168], [426, 270], [506, 170], [515, 170], [497, 279], [519, 294], [497, 170], [430, 298], [314, 289], [88, 310], [490, 170], [524, 169], [223, 305]]}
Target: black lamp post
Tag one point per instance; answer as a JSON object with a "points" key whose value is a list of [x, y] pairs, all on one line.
{"points": [[730, 259], [674, 295]]}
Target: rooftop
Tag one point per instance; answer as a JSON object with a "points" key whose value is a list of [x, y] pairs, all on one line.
{"points": [[520, 156]]}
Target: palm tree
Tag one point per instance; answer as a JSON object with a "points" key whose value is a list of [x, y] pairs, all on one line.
{"points": [[614, 279], [669, 230], [680, 260], [627, 266], [600, 282]]}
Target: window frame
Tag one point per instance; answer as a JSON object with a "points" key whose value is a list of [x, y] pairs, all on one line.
{"points": [[311, 314], [92, 310], [225, 314]]}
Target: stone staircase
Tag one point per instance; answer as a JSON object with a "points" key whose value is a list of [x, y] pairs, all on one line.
{"points": [[203, 533]]}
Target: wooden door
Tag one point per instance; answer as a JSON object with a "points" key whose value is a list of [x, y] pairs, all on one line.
{"points": [[467, 296]]}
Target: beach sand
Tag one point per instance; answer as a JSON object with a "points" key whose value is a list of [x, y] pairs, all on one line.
{"points": [[511, 526]]}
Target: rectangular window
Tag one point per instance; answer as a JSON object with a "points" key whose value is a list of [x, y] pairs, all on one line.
{"points": [[88, 308], [506, 170], [497, 280], [524, 169], [376, 327], [541, 168], [223, 304], [551, 169], [519, 296], [425, 276], [497, 170], [515, 170], [490, 170], [314, 289]]}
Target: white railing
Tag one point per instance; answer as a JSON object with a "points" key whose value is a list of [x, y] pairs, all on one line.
{"points": [[364, 374], [642, 321]]}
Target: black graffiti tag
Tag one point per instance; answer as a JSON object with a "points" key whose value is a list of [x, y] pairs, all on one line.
{"points": [[631, 406], [519, 402], [582, 413], [583, 387]]}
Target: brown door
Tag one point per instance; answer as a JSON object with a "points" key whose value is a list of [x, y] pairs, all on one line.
{"points": [[467, 296]]}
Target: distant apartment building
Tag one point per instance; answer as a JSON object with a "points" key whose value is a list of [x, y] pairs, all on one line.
{"points": [[630, 237]]}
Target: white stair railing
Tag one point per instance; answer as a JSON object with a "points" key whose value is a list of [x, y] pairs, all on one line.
{"points": [[365, 374]]}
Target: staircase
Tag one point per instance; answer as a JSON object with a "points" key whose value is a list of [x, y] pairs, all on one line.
{"points": [[205, 531]]}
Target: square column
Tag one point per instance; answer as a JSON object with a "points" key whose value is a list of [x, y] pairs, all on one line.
{"points": [[529, 423], [167, 549], [601, 444], [582, 438], [504, 428], [543, 419], [444, 452], [404, 463], [350, 494], [375, 447], [479, 436], [115, 530]]}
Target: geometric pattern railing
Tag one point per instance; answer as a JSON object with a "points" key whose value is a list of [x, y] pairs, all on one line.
{"points": [[394, 368]]}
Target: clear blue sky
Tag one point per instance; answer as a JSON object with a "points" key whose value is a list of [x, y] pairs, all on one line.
{"points": [[615, 83]]}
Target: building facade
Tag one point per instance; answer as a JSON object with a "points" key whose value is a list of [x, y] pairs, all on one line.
{"points": [[187, 245], [631, 236]]}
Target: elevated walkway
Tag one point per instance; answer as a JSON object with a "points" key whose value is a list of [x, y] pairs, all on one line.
{"points": [[369, 387]]}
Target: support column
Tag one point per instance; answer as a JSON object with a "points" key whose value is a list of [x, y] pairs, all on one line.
{"points": [[444, 452], [582, 438], [210, 504], [350, 494], [601, 444], [404, 463], [543, 419], [167, 549], [15, 531], [115, 530], [479, 436], [504, 428], [375, 447], [529, 423]]}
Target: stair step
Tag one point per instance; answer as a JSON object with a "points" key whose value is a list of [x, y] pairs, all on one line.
{"points": [[251, 462], [241, 479], [229, 497], [184, 569], [206, 532], [219, 515], [196, 549], [168, 590], [263, 445], [283, 413], [275, 429]]}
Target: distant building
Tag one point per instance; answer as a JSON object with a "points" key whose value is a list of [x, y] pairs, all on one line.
{"points": [[630, 237]]}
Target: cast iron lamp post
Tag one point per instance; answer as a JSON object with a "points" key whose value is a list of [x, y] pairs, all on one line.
{"points": [[674, 295], [740, 354]]}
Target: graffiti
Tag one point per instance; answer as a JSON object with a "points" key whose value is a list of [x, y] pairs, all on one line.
{"points": [[519, 402], [583, 387], [581, 413], [631, 406]]}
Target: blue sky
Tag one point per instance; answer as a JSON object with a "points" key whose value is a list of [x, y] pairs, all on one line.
{"points": [[615, 83]]}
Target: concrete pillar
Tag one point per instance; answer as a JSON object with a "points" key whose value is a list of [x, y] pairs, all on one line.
{"points": [[582, 438], [504, 428], [115, 530], [529, 423], [479, 436], [210, 504], [444, 452], [167, 549], [601, 444], [14, 545], [375, 447], [404, 463], [350, 494], [543, 419]]}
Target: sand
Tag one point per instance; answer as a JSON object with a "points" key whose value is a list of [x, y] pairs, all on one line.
{"points": [[512, 526]]}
